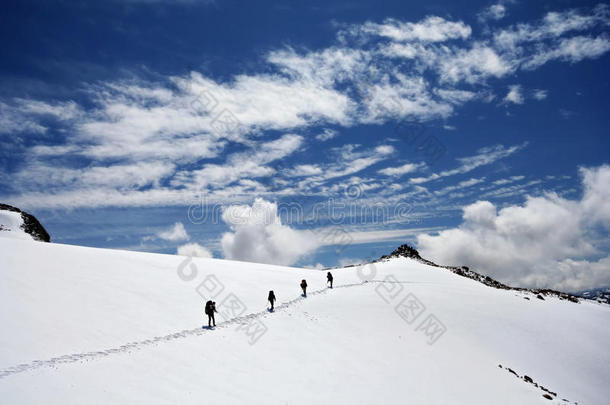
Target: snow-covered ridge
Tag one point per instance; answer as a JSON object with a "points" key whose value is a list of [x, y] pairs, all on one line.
{"points": [[125, 327], [19, 224], [410, 252]]}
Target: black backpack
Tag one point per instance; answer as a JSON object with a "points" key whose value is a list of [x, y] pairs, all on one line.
{"points": [[208, 307]]}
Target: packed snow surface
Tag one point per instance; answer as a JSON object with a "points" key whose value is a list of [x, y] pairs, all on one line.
{"points": [[85, 325]]}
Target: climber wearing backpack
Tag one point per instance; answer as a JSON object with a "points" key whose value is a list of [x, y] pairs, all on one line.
{"points": [[304, 287], [329, 279], [210, 308], [271, 299]]}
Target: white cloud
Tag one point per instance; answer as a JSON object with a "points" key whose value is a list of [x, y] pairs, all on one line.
{"points": [[484, 156], [460, 186], [547, 242], [493, 12], [474, 64], [119, 176], [532, 45], [407, 97], [512, 179], [596, 200], [373, 73], [457, 97], [246, 165], [540, 94], [326, 135], [305, 170], [431, 29], [349, 161], [553, 25], [174, 233], [374, 236], [13, 120], [400, 170], [275, 102], [61, 110], [571, 50], [322, 67], [514, 95], [258, 235], [193, 250]]}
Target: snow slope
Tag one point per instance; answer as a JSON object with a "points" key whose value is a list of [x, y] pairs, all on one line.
{"points": [[84, 325]]}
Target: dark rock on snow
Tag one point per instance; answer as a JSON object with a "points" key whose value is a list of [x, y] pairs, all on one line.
{"points": [[464, 271], [30, 224]]}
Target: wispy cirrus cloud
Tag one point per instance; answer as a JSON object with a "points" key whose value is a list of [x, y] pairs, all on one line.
{"points": [[540, 94], [400, 170], [430, 29], [169, 137], [484, 156]]}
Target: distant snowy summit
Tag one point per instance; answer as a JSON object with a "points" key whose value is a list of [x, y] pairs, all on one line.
{"points": [[597, 294], [19, 224]]}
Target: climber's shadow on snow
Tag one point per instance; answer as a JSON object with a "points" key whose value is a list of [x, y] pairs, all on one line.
{"points": [[270, 310]]}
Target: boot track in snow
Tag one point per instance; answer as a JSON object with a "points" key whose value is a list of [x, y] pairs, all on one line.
{"points": [[137, 345]]}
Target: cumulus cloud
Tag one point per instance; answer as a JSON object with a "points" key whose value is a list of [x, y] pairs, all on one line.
{"points": [[549, 241], [258, 235], [596, 200], [193, 250], [174, 233]]}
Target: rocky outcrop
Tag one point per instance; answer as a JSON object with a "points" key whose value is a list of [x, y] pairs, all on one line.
{"points": [[412, 253], [30, 224]]}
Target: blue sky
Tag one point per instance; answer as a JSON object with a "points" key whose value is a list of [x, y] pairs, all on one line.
{"points": [[316, 133]]}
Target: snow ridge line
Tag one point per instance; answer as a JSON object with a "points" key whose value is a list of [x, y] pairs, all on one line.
{"points": [[73, 358]]}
